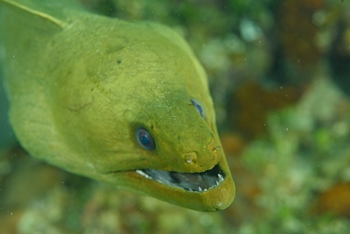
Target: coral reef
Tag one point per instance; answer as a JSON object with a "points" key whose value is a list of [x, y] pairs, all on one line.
{"points": [[251, 103]]}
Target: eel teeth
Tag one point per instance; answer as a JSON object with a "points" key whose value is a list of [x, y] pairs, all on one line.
{"points": [[221, 178], [140, 172], [192, 182]]}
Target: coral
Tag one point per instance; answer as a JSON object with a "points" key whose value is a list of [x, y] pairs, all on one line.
{"points": [[294, 165], [252, 103], [335, 200], [233, 144], [297, 32]]}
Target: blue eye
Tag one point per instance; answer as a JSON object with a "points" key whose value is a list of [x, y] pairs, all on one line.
{"points": [[145, 139], [199, 107]]}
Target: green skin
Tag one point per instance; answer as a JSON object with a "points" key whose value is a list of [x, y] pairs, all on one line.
{"points": [[80, 85]]}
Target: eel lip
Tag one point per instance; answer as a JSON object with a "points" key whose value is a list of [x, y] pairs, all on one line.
{"points": [[194, 182]]}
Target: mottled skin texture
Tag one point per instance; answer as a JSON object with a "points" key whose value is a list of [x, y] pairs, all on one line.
{"points": [[80, 85]]}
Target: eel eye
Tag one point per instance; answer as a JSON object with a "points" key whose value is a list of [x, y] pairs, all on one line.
{"points": [[145, 139], [199, 107]]}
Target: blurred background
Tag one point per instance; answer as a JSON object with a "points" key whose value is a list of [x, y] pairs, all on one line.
{"points": [[279, 73]]}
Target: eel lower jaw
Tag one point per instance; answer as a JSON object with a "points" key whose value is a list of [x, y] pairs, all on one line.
{"points": [[193, 182]]}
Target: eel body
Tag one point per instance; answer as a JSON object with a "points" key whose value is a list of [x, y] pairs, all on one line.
{"points": [[126, 103]]}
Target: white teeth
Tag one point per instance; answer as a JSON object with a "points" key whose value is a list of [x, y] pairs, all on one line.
{"points": [[208, 180], [221, 178], [143, 174]]}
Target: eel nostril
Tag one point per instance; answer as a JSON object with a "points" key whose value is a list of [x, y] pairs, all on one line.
{"points": [[216, 148], [212, 146], [190, 157]]}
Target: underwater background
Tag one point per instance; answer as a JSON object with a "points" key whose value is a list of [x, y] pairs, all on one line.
{"points": [[279, 73]]}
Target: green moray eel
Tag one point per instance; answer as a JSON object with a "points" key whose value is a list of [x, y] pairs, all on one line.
{"points": [[125, 103]]}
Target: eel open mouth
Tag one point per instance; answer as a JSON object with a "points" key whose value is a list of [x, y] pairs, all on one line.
{"points": [[197, 182]]}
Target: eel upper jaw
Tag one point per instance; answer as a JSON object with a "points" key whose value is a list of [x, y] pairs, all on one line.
{"points": [[192, 182]]}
